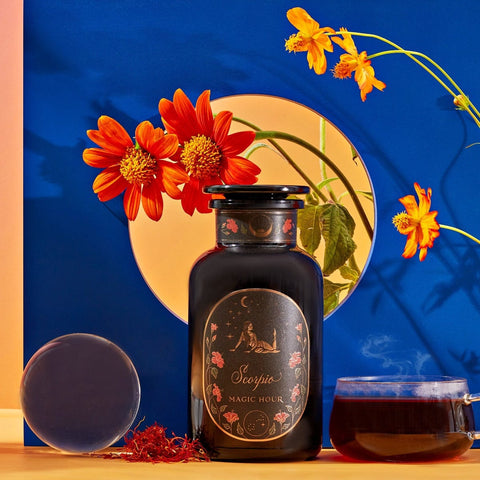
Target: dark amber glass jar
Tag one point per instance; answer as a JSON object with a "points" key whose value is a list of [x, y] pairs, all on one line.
{"points": [[255, 331]]}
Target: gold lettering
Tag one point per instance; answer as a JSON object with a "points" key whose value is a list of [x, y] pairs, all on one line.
{"points": [[240, 377], [242, 399], [270, 399]]}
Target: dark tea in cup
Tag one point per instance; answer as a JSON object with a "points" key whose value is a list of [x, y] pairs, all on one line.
{"points": [[402, 418]]}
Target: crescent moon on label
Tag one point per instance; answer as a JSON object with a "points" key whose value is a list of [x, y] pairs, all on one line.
{"points": [[242, 302]]}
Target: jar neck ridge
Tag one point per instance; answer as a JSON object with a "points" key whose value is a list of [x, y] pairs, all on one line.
{"points": [[256, 227]]}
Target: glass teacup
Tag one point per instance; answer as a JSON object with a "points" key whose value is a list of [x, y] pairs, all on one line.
{"points": [[402, 418]]}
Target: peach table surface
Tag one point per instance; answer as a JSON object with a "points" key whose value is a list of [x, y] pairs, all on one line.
{"points": [[19, 462]]}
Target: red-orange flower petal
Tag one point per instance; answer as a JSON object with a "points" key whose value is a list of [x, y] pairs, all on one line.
{"points": [[221, 126], [109, 183], [365, 77], [152, 200], [352, 61], [418, 223], [204, 113], [208, 153], [172, 176], [193, 197], [138, 171], [131, 201], [237, 143], [110, 135], [310, 38], [346, 42], [239, 171], [98, 158]]}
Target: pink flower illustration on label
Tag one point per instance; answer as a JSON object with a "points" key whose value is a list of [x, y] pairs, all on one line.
{"points": [[231, 225], [280, 417], [213, 327], [216, 392], [295, 393], [288, 225], [217, 359], [230, 417], [295, 359]]}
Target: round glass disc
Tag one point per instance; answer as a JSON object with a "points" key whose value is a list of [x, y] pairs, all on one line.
{"points": [[80, 393]]}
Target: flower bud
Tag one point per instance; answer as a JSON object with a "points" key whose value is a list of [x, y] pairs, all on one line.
{"points": [[461, 102]]}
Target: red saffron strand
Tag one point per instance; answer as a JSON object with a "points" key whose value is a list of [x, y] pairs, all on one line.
{"points": [[152, 445]]}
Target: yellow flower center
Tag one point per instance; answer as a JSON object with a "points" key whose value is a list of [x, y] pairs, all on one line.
{"points": [[402, 220], [201, 157], [342, 70], [296, 43], [138, 166]]}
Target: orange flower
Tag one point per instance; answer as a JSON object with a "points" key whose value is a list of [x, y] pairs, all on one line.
{"points": [[309, 38], [353, 62], [418, 222], [209, 155], [136, 169]]}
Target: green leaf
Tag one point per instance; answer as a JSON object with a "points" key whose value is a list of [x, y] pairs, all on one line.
{"points": [[363, 193], [349, 273], [326, 182], [337, 230], [331, 294], [309, 224], [368, 195], [311, 199], [330, 303], [330, 288], [254, 147]]}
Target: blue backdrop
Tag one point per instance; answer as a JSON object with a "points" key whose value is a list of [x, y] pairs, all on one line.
{"points": [[119, 57]]}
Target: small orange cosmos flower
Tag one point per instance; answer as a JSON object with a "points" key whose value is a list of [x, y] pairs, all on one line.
{"points": [[309, 38], [207, 152], [137, 169], [358, 63], [418, 222]]}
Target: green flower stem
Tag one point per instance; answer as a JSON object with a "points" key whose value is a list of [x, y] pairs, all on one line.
{"points": [[454, 229], [266, 135], [323, 133], [433, 74], [412, 56], [287, 157], [439, 80]]}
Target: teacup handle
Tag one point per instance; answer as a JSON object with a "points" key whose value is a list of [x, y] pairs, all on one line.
{"points": [[469, 398]]}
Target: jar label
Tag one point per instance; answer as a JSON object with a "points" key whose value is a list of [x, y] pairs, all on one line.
{"points": [[256, 366], [256, 226]]}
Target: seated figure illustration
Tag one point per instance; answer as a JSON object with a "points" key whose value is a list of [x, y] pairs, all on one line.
{"points": [[251, 343]]}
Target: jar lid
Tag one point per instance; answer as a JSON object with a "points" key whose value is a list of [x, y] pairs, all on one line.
{"points": [[256, 196]]}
